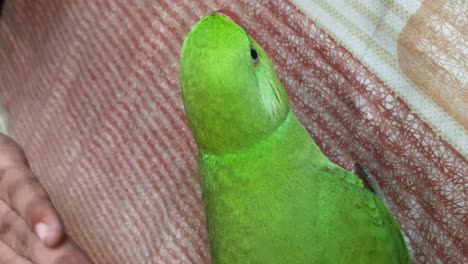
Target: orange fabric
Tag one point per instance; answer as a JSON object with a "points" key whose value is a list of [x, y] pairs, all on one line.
{"points": [[431, 55]]}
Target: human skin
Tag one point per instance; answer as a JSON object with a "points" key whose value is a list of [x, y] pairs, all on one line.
{"points": [[31, 230]]}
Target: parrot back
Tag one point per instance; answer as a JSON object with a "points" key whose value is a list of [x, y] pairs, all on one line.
{"points": [[282, 201]]}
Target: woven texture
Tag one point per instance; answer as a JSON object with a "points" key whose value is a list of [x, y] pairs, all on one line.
{"points": [[91, 91]]}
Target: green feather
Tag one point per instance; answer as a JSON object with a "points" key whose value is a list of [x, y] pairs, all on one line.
{"points": [[271, 195]]}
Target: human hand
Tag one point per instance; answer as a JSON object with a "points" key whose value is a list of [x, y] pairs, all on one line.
{"points": [[25, 206]]}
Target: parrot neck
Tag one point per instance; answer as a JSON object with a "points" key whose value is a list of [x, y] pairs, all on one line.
{"points": [[260, 139], [290, 132]]}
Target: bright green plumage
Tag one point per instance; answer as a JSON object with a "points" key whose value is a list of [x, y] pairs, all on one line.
{"points": [[271, 196]]}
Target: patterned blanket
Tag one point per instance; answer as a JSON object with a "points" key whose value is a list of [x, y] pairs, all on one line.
{"points": [[91, 91]]}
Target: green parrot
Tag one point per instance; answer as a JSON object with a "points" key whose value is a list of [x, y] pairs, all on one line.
{"points": [[270, 194]]}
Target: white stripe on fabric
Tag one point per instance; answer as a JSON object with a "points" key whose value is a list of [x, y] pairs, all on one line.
{"points": [[354, 31]]}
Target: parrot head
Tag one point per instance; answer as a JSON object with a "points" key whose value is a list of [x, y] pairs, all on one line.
{"points": [[232, 95]]}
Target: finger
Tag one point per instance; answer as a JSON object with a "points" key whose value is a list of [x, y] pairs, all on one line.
{"points": [[14, 232], [19, 238], [68, 252], [11, 153], [8, 256], [22, 191]]}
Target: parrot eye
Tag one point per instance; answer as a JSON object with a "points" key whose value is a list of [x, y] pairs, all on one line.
{"points": [[254, 54]]}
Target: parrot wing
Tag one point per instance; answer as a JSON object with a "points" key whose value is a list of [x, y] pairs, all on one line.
{"points": [[343, 174], [369, 204]]}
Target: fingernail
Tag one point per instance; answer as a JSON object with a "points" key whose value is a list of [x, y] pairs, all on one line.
{"points": [[42, 231]]}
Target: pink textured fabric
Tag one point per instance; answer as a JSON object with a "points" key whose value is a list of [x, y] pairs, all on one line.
{"points": [[92, 93]]}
